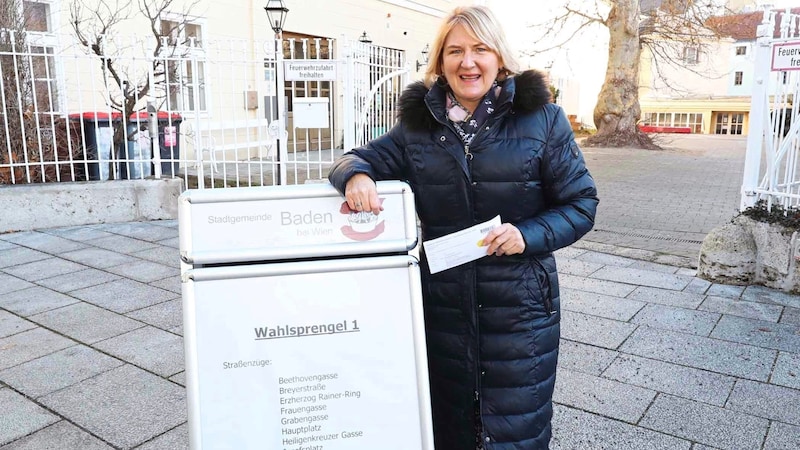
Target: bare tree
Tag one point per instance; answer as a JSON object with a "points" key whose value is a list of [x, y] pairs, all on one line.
{"points": [[663, 28], [97, 25]]}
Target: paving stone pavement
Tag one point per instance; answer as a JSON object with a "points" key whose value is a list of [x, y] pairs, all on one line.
{"points": [[652, 357], [667, 201], [91, 352]]}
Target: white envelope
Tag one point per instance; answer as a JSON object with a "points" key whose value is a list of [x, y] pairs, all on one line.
{"points": [[460, 247]]}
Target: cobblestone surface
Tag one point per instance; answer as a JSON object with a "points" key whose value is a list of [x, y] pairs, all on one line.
{"points": [[651, 357], [666, 201]]}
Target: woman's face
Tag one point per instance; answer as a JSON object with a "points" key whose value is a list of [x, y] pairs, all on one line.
{"points": [[469, 66]]}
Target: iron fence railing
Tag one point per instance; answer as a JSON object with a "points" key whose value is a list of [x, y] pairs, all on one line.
{"points": [[204, 111], [773, 143]]}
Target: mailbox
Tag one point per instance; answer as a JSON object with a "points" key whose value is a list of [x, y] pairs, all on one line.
{"points": [[311, 112]]}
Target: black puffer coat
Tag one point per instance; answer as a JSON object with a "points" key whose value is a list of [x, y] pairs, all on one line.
{"points": [[492, 326]]}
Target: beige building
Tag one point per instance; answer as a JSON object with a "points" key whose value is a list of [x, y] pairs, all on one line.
{"points": [[218, 64], [696, 95], [709, 90]]}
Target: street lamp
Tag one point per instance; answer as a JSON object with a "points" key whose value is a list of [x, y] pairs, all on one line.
{"points": [[364, 38], [276, 15], [425, 55]]}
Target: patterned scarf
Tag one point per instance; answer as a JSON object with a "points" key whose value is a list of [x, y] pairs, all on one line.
{"points": [[466, 124]]}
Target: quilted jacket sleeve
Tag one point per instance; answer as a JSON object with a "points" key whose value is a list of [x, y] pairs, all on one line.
{"points": [[381, 159], [569, 189]]}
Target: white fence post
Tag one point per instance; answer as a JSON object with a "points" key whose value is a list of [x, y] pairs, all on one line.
{"points": [[758, 111], [283, 142], [349, 97], [152, 112]]}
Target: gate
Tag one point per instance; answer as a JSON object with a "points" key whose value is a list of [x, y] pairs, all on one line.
{"points": [[774, 133], [374, 79], [297, 149]]}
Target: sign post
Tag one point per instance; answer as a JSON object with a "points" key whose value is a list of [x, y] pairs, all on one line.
{"points": [[303, 321]]}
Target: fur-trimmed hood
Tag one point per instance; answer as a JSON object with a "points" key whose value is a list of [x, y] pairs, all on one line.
{"points": [[526, 92]]}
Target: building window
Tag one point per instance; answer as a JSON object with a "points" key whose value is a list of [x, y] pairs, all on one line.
{"points": [[185, 77], [729, 123], [182, 33], [741, 50], [722, 124], [737, 123], [37, 16], [737, 78], [696, 122], [690, 55], [41, 59], [44, 78]]}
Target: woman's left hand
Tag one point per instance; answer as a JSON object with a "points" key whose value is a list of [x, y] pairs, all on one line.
{"points": [[504, 240]]}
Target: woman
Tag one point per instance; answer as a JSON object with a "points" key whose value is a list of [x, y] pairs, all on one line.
{"points": [[476, 140]]}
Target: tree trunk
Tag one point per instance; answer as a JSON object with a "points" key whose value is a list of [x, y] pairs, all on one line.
{"points": [[617, 111]]}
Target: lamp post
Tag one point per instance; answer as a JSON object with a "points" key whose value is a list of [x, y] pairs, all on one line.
{"points": [[276, 15], [425, 55]]}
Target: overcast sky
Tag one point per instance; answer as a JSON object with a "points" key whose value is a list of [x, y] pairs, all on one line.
{"points": [[582, 59]]}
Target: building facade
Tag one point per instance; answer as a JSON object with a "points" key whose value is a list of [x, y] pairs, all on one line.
{"points": [[710, 92], [215, 64]]}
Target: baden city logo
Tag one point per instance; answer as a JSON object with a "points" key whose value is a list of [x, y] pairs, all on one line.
{"points": [[314, 224], [361, 225]]}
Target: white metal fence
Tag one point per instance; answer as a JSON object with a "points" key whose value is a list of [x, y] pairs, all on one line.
{"points": [[206, 111], [773, 143], [376, 77]]}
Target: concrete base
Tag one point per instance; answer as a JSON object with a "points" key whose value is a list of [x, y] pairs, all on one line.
{"points": [[49, 205], [747, 252]]}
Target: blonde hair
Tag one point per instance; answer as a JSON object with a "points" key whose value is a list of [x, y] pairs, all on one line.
{"points": [[483, 26]]}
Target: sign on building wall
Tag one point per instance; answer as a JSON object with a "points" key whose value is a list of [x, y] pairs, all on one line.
{"points": [[310, 69], [786, 56]]}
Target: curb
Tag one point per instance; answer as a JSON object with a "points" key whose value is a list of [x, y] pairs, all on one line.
{"points": [[642, 255]]}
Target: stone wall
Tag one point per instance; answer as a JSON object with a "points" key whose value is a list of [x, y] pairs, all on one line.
{"points": [[48, 205]]}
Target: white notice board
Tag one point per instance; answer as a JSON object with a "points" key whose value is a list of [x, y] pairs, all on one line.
{"points": [[785, 56], [283, 222], [310, 69], [326, 354]]}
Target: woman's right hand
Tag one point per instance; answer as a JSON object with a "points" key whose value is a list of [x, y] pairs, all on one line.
{"points": [[362, 194]]}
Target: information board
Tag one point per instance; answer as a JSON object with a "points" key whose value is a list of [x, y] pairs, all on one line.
{"points": [[308, 355], [282, 222]]}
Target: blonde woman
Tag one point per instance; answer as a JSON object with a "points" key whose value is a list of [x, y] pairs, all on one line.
{"points": [[477, 139]]}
